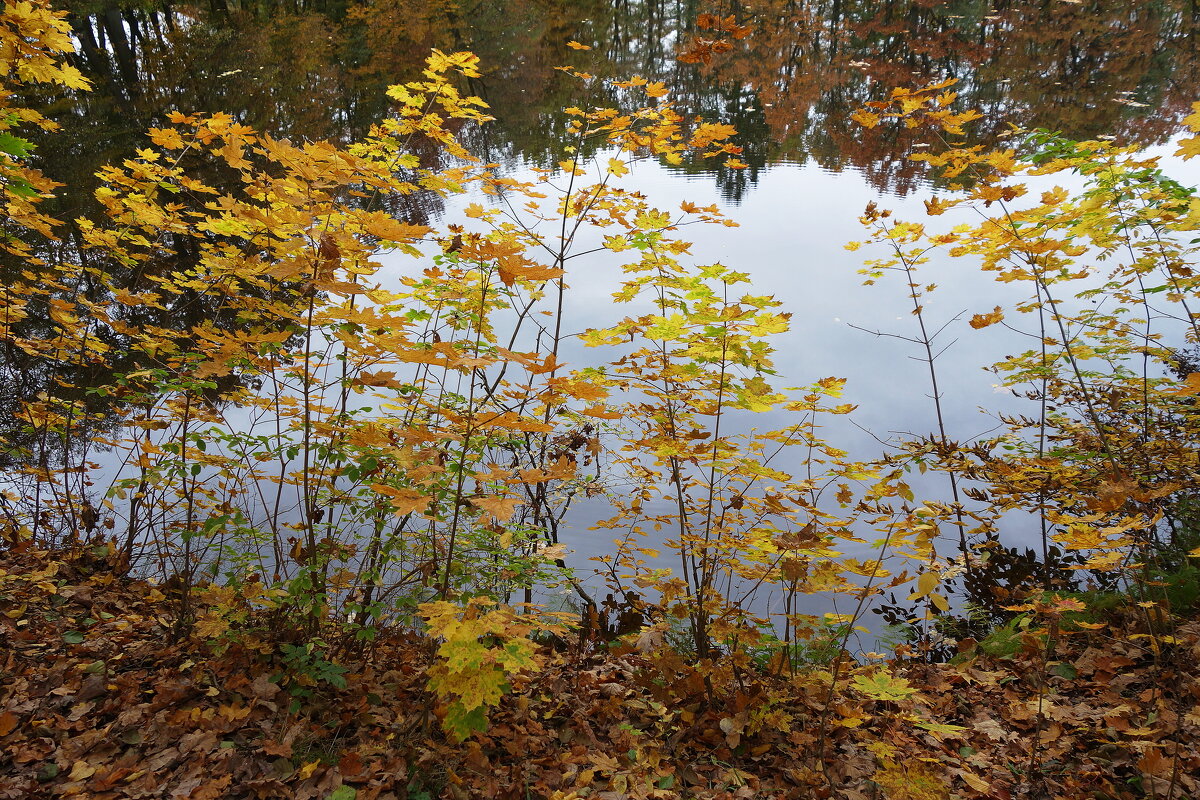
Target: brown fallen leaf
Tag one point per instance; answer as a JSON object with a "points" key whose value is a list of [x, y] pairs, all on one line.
{"points": [[93, 686], [263, 688], [274, 748]]}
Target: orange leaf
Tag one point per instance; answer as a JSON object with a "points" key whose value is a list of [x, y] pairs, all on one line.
{"points": [[405, 501], [1191, 385], [536, 272], [983, 320], [599, 412], [500, 508], [515, 422]]}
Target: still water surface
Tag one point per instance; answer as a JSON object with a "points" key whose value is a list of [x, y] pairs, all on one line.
{"points": [[785, 74]]}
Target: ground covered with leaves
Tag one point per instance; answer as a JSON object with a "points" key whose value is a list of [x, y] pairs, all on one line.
{"points": [[98, 700]]}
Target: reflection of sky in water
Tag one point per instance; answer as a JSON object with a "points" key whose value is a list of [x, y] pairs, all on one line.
{"points": [[793, 227]]}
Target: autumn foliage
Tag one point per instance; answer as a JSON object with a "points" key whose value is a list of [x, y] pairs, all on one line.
{"points": [[348, 445]]}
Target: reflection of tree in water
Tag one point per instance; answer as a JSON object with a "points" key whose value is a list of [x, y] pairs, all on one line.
{"points": [[278, 73], [1078, 68], [281, 73], [314, 70], [318, 70], [790, 85]]}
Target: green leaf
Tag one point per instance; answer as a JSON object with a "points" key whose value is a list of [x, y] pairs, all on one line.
{"points": [[1066, 671], [343, 792], [73, 637], [19, 186], [15, 146], [461, 723]]}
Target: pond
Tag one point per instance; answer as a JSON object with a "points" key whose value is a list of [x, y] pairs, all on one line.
{"points": [[787, 75]]}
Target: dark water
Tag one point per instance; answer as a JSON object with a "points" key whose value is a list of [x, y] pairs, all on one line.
{"points": [[319, 70]]}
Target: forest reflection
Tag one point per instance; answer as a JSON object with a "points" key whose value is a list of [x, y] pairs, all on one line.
{"points": [[786, 73]]}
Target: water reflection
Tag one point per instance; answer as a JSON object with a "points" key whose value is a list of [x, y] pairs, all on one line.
{"points": [[785, 73]]}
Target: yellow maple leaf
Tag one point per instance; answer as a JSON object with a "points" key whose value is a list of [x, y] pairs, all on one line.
{"points": [[983, 320], [868, 119], [652, 220], [1188, 147], [1193, 120], [926, 583]]}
